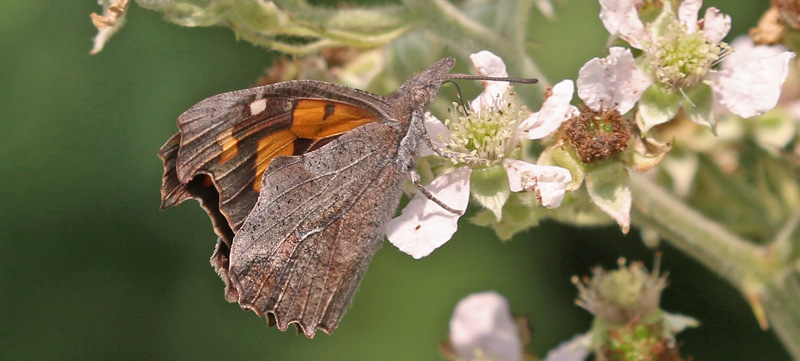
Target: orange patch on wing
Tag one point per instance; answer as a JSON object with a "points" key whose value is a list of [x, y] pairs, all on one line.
{"points": [[276, 144], [229, 144], [320, 119], [312, 119]]}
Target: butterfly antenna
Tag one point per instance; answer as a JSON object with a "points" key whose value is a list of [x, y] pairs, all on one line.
{"points": [[460, 96], [492, 78]]}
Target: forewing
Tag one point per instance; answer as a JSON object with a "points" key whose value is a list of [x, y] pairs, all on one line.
{"points": [[320, 217], [232, 137]]}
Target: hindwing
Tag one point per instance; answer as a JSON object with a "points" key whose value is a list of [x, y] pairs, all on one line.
{"points": [[319, 219]]}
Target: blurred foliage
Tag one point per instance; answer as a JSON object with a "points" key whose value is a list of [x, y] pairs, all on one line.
{"points": [[90, 268]]}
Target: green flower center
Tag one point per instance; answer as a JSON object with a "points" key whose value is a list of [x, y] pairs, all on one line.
{"points": [[485, 136], [680, 60]]}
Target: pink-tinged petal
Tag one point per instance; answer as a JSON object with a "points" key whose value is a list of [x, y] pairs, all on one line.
{"points": [[716, 25], [555, 110], [621, 18], [424, 226], [438, 133], [489, 64], [576, 349], [482, 326], [612, 82], [549, 182], [753, 86], [746, 50], [687, 14]]}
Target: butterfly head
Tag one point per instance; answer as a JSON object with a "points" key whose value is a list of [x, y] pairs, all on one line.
{"points": [[423, 87]]}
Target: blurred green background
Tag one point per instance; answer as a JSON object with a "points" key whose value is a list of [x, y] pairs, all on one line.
{"points": [[90, 269]]}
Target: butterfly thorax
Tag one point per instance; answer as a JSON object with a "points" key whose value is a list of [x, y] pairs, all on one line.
{"points": [[412, 100]]}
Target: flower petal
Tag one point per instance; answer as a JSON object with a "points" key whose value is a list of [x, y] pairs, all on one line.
{"points": [[424, 226], [483, 322], [753, 86], [489, 64], [555, 110], [437, 132], [612, 82], [620, 17], [687, 14], [715, 25], [746, 50], [676, 322], [576, 349], [549, 182]]}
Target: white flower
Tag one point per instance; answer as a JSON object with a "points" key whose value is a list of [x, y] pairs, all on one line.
{"points": [[610, 87], [621, 18], [679, 52], [482, 326], [423, 225]]}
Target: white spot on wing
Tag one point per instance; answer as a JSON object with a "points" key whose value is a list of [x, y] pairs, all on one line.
{"points": [[257, 107]]}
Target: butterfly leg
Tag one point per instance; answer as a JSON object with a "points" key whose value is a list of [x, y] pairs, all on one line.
{"points": [[415, 179]]}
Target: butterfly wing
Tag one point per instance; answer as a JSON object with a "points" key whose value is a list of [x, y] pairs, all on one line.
{"points": [[232, 137], [319, 219], [227, 141]]}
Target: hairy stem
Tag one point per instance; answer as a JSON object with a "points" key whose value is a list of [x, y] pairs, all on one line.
{"points": [[770, 284]]}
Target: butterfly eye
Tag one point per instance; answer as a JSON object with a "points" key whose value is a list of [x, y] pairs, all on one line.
{"points": [[421, 96]]}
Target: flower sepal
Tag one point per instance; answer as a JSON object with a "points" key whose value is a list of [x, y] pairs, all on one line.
{"points": [[645, 153], [658, 105], [607, 184], [519, 214], [490, 188], [559, 155], [698, 105]]}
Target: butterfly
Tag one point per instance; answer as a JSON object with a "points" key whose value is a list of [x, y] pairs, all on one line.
{"points": [[299, 179]]}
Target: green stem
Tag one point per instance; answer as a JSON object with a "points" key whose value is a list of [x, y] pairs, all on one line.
{"points": [[721, 251], [766, 280]]}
